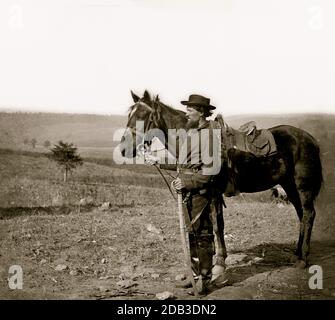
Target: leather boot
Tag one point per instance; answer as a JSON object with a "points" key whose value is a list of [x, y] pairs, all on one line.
{"points": [[205, 253], [202, 284]]}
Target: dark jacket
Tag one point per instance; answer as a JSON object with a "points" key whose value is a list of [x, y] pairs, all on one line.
{"points": [[194, 159]]}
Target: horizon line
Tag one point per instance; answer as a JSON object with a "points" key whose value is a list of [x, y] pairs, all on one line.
{"points": [[14, 110]]}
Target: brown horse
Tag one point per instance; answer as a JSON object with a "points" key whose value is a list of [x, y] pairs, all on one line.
{"points": [[296, 166]]}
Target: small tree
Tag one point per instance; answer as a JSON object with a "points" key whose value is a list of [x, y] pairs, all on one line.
{"points": [[33, 142], [65, 154], [26, 141], [47, 144]]}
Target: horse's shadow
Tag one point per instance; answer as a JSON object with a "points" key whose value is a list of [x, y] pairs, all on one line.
{"points": [[273, 256]]}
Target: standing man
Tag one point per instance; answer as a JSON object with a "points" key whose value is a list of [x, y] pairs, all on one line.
{"points": [[196, 182]]}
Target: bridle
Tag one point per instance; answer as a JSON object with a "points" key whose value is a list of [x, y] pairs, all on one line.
{"points": [[154, 120]]}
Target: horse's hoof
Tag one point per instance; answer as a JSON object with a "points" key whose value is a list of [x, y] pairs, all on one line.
{"points": [[217, 271], [220, 280], [300, 264]]}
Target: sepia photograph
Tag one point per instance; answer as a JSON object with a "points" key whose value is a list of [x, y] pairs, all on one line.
{"points": [[164, 150]]}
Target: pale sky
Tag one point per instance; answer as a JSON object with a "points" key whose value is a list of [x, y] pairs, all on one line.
{"points": [[268, 56]]}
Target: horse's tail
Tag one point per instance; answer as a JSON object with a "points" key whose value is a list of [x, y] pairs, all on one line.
{"points": [[318, 172], [312, 158], [315, 165]]}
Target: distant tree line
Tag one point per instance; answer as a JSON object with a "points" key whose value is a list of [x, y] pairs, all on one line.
{"points": [[33, 143]]}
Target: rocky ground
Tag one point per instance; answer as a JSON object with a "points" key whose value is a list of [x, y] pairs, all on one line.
{"points": [[135, 253]]}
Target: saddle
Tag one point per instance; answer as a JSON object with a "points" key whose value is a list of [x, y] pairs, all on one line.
{"points": [[248, 138], [255, 142]]}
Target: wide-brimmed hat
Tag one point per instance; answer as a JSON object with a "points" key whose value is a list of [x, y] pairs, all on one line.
{"points": [[198, 100]]}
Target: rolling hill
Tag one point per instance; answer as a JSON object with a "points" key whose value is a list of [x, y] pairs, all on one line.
{"points": [[96, 131], [83, 130], [93, 134]]}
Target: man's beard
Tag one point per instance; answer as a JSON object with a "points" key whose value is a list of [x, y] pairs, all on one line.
{"points": [[192, 124]]}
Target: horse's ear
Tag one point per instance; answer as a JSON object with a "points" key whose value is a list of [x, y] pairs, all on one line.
{"points": [[156, 104], [135, 97], [146, 95]]}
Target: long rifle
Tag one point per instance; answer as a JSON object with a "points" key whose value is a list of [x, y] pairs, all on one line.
{"points": [[141, 149], [187, 255]]}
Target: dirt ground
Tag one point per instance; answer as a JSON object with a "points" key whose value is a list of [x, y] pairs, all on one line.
{"points": [[135, 253]]}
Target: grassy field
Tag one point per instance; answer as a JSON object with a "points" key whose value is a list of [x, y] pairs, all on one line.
{"points": [[32, 180], [132, 249]]}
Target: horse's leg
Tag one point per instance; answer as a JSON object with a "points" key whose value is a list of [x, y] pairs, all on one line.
{"points": [[219, 267], [218, 229], [293, 196], [302, 198], [307, 221]]}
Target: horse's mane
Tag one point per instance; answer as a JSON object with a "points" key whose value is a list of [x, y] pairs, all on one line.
{"points": [[172, 110]]}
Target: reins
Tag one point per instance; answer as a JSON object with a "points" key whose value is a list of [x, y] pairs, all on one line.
{"points": [[153, 120]]}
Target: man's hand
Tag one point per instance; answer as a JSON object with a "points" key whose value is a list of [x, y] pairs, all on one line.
{"points": [[177, 184], [150, 159]]}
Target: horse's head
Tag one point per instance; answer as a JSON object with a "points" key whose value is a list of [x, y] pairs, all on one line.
{"points": [[145, 111]]}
